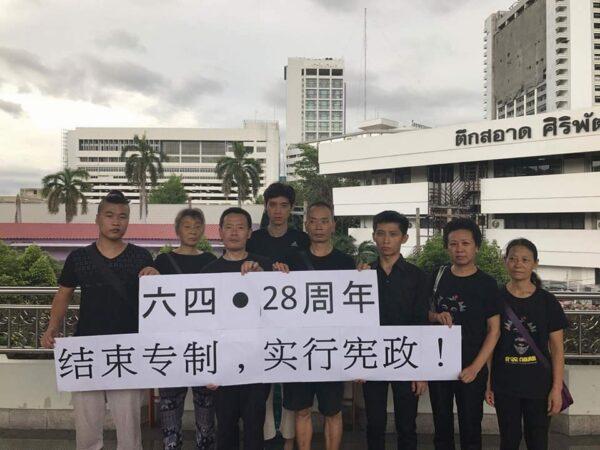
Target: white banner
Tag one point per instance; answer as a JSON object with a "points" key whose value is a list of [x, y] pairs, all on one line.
{"points": [[258, 300], [242, 356]]}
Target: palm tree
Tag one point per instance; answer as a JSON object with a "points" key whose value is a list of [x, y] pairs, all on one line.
{"points": [[367, 252], [240, 171], [144, 162], [66, 188]]}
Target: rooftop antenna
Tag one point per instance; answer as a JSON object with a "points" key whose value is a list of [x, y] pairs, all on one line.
{"points": [[365, 68]]}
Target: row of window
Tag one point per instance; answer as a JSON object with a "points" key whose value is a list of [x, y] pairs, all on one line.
{"points": [[324, 93], [324, 115], [555, 221], [324, 126], [324, 135], [324, 83], [323, 72], [336, 105]]}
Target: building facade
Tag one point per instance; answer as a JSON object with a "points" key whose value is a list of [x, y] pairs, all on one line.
{"points": [[192, 153], [541, 56], [316, 103], [535, 176]]}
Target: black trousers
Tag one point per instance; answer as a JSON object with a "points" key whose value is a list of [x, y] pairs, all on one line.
{"points": [[518, 416], [405, 413], [246, 402], [469, 404]]}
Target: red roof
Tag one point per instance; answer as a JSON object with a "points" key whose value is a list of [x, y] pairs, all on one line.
{"points": [[89, 231]]}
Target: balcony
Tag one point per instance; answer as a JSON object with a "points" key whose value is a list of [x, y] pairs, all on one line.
{"points": [[370, 200], [577, 192]]}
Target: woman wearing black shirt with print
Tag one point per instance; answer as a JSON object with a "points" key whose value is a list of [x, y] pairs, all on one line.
{"points": [[189, 226], [525, 392]]}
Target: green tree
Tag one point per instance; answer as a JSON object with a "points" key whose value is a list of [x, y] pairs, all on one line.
{"points": [[312, 186], [344, 243], [41, 273], [367, 252], [432, 255], [169, 192], [10, 267], [143, 164], [67, 188], [240, 171], [203, 246]]}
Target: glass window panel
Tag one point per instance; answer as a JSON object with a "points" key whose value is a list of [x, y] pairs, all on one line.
{"points": [[323, 115], [311, 126], [171, 147], [337, 104], [337, 126], [311, 93], [311, 82], [311, 136], [337, 93], [323, 93], [311, 71], [337, 83], [190, 148], [214, 148], [337, 72], [324, 135], [326, 72], [337, 115], [311, 115], [311, 104], [190, 159], [324, 82], [323, 126], [323, 104]]}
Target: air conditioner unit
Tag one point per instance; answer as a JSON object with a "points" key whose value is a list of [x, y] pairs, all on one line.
{"points": [[497, 223]]}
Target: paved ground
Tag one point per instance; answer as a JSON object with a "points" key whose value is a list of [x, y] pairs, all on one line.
{"points": [[64, 440]]}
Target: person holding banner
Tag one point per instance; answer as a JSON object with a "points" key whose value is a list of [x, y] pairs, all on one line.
{"points": [[464, 295], [189, 226], [278, 242], [403, 300], [299, 397], [107, 272], [246, 402], [527, 371]]}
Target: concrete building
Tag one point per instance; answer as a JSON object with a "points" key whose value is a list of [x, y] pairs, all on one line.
{"points": [[316, 103], [541, 56], [192, 153], [534, 176]]}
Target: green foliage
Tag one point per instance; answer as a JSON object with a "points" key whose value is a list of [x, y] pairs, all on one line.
{"points": [[311, 186], [203, 246], [259, 200], [41, 273], [170, 192], [344, 243], [367, 252], [240, 171], [433, 255], [31, 267], [66, 188]]}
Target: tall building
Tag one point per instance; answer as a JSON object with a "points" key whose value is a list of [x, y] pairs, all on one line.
{"points": [[536, 177], [316, 103], [542, 55], [192, 153]]}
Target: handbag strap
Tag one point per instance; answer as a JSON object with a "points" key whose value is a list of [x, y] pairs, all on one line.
{"points": [[105, 271], [174, 263], [525, 335], [438, 277]]}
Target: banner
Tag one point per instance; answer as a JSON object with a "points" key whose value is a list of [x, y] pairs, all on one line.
{"points": [[243, 356], [258, 300]]}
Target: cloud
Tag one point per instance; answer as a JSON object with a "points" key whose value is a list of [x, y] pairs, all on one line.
{"points": [[121, 39], [15, 178], [339, 5], [275, 94], [89, 78], [13, 109], [443, 6]]}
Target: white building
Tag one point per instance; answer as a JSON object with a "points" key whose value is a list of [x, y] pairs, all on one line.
{"points": [[536, 177], [192, 153], [542, 56], [316, 103]]}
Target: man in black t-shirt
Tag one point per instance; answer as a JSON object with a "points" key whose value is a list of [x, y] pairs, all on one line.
{"points": [[299, 397], [107, 272], [246, 402], [280, 243], [468, 297]]}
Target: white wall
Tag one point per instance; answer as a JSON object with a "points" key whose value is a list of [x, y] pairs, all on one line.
{"points": [[578, 192], [581, 49], [561, 248], [437, 145], [370, 200]]}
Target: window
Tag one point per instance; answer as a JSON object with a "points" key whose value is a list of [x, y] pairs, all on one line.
{"points": [[521, 167], [323, 93], [553, 221], [441, 173], [323, 104], [324, 135], [323, 126], [311, 104], [311, 93], [337, 83], [310, 136], [311, 72], [402, 175], [324, 72], [190, 148], [595, 163], [310, 126], [337, 126], [324, 115], [337, 72], [337, 93], [311, 82], [324, 82], [337, 104], [337, 115], [311, 115]]}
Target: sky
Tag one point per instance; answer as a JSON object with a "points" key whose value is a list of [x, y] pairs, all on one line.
{"points": [[197, 63]]}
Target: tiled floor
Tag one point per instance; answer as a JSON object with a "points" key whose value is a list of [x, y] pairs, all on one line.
{"points": [[64, 440]]}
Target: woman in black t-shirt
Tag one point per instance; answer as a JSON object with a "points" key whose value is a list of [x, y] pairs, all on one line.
{"points": [[189, 225], [521, 387]]}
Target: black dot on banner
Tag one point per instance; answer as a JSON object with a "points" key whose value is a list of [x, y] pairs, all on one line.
{"points": [[240, 300], [440, 364]]}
